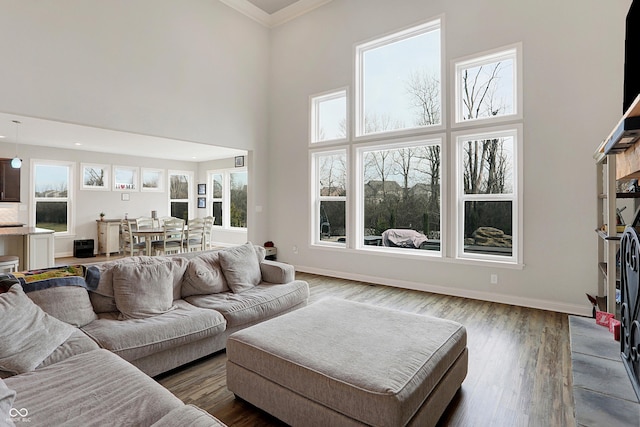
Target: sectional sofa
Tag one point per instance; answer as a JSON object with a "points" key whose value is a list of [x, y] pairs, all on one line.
{"points": [[82, 338]]}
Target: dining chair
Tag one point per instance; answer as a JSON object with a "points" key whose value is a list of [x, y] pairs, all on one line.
{"points": [[162, 219], [129, 245], [194, 235], [208, 231], [173, 234], [145, 222]]}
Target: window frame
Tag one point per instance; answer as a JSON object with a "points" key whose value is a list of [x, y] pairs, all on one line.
{"points": [[71, 166], [418, 141], [314, 116], [226, 196], [458, 138], [435, 23], [317, 198], [514, 52], [190, 194]]}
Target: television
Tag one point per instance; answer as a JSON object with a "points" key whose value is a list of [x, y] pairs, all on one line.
{"points": [[632, 56]]}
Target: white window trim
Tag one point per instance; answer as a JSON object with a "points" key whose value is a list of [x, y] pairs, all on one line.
{"points": [[314, 116], [514, 52], [226, 196], [69, 199], [358, 191], [316, 198], [358, 82], [516, 131], [190, 197]]}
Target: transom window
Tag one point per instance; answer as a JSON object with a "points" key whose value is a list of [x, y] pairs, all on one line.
{"points": [[329, 117], [399, 81]]}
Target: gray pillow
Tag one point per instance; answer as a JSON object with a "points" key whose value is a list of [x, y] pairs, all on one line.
{"points": [[28, 334], [70, 304], [6, 403], [204, 276], [241, 268], [143, 290]]}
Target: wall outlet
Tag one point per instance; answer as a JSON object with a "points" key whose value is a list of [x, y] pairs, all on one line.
{"points": [[295, 249], [494, 279]]}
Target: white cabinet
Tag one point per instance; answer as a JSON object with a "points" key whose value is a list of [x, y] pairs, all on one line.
{"points": [[108, 236], [40, 251]]}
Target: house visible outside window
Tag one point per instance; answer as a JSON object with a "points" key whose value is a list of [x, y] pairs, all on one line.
{"points": [[406, 200], [329, 117], [401, 196], [52, 195], [180, 194], [330, 201], [229, 198], [398, 81]]}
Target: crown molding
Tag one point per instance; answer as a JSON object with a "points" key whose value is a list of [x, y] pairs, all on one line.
{"points": [[280, 17]]}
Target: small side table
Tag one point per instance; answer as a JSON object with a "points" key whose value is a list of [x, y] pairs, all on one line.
{"points": [[271, 253]]}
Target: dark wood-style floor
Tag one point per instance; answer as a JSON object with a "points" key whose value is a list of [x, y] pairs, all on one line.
{"points": [[519, 361]]}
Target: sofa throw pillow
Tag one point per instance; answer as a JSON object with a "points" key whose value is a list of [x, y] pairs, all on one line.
{"points": [[240, 267], [28, 334], [7, 397], [71, 304], [204, 276], [143, 290]]}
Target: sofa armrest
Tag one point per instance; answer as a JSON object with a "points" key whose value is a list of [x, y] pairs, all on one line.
{"points": [[277, 272]]}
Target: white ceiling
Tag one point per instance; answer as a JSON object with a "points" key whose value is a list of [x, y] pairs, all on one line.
{"points": [[48, 133], [272, 13]]}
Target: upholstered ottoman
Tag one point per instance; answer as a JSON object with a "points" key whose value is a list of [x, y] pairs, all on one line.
{"points": [[342, 363]]}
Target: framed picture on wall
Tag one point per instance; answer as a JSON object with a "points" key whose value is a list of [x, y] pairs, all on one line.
{"points": [[202, 202], [152, 180], [202, 189], [94, 177], [239, 161], [125, 178]]}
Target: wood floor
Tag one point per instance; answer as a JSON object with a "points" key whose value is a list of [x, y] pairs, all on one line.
{"points": [[519, 361]]}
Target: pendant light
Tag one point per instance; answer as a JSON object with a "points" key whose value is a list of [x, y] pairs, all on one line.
{"points": [[16, 162]]}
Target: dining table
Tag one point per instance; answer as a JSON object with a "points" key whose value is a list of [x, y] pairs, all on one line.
{"points": [[150, 235]]}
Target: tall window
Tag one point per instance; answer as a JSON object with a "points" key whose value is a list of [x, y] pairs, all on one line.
{"points": [[329, 117], [238, 199], [330, 201], [216, 197], [52, 195], [400, 192], [487, 194], [180, 194], [399, 81], [229, 197]]}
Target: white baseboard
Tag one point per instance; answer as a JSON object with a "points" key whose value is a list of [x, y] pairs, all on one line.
{"points": [[464, 293]]}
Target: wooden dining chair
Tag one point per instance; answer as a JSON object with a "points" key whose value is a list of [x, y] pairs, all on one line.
{"points": [[173, 234], [194, 235], [129, 245], [208, 231]]}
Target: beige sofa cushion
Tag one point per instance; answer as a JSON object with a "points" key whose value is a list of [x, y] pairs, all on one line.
{"points": [[204, 276], [71, 304], [91, 389], [136, 338], [6, 403], [241, 267], [143, 290], [28, 335]]}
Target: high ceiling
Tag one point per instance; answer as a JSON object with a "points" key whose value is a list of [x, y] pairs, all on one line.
{"points": [[48, 133], [272, 13]]}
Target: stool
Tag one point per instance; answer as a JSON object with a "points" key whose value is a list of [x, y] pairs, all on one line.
{"points": [[9, 263], [343, 363]]}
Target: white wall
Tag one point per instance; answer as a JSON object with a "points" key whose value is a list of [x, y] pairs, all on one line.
{"points": [[194, 70], [573, 59]]}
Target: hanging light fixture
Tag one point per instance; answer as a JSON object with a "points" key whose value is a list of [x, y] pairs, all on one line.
{"points": [[16, 162]]}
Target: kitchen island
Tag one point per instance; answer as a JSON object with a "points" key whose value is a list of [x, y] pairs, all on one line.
{"points": [[33, 245]]}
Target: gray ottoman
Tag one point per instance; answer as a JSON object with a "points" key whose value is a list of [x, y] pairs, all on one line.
{"points": [[343, 363]]}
